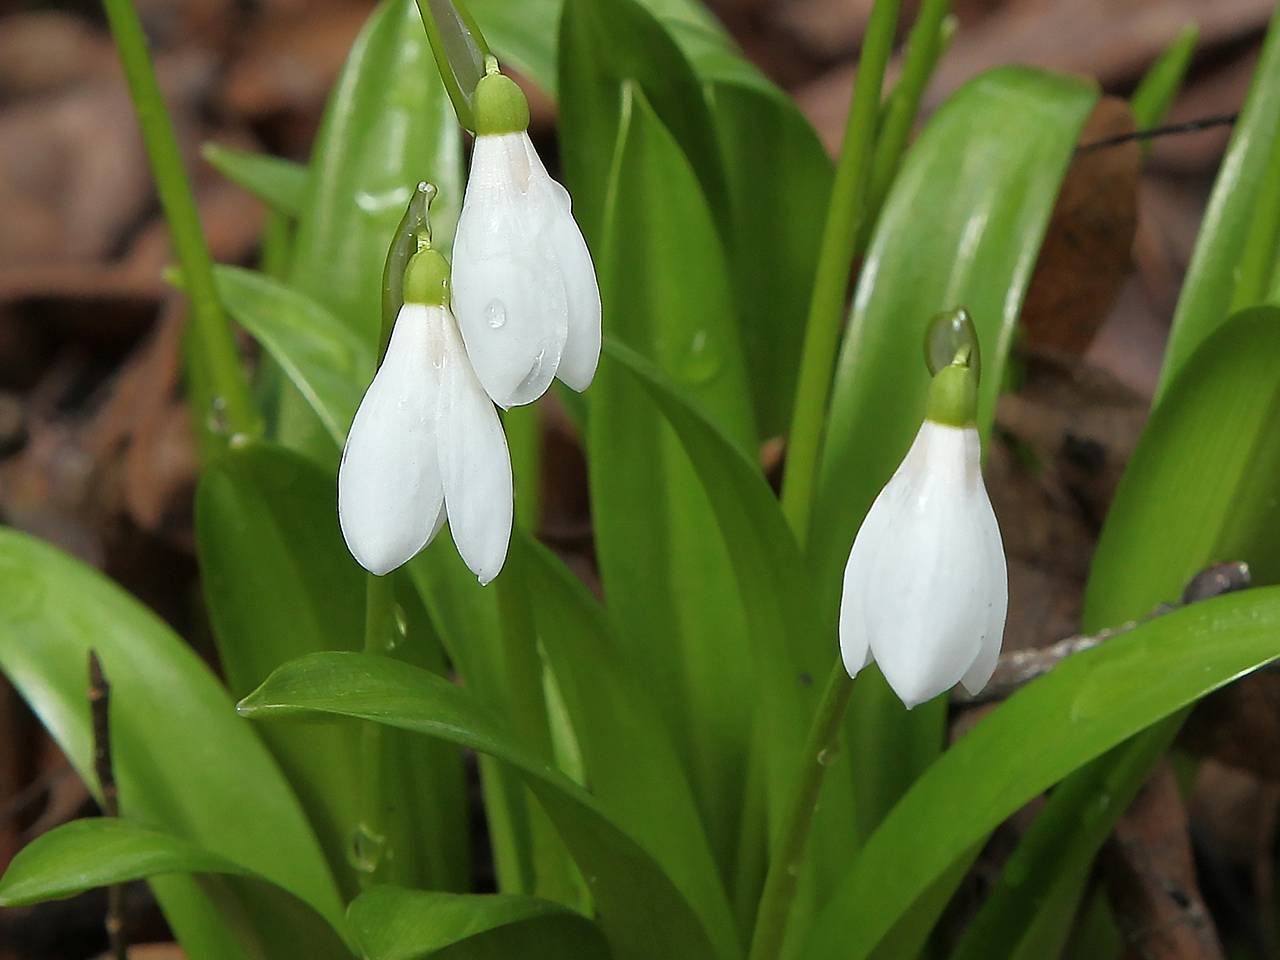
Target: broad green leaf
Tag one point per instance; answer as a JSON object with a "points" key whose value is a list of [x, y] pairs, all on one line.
{"points": [[1208, 292], [183, 762], [961, 227], [98, 852], [1086, 705], [1200, 486], [328, 364], [387, 126], [666, 292], [641, 911], [279, 183], [391, 923], [638, 779], [279, 583]]}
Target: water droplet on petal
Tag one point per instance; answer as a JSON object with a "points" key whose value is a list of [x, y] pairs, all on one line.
{"points": [[495, 314]]}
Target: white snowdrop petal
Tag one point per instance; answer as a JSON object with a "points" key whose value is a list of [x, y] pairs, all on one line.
{"points": [[855, 642], [389, 491], [509, 292], [997, 603], [924, 618], [474, 465], [582, 346]]}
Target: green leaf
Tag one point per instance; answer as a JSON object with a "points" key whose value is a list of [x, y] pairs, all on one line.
{"points": [[638, 779], [98, 852], [610, 51], [391, 923], [788, 649], [641, 912], [1088, 704], [279, 583], [1030, 912], [388, 125], [466, 617], [183, 761], [1200, 486], [988, 197], [279, 183], [328, 363], [666, 292], [1160, 84], [779, 181], [1208, 292]]}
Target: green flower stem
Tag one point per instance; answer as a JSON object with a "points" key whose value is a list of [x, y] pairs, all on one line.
{"points": [[930, 36], [223, 406], [820, 748], [460, 51], [831, 280], [379, 609]]}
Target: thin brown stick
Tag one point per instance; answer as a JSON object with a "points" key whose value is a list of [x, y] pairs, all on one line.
{"points": [[100, 714], [1173, 129]]}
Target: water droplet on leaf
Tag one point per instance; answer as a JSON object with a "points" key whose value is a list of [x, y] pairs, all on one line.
{"points": [[366, 850]]}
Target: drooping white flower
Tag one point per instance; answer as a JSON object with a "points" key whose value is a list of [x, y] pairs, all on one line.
{"points": [[926, 588], [524, 287], [426, 445]]}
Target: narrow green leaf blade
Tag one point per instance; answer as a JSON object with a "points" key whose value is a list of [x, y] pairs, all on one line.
{"points": [[639, 779], [279, 183], [1161, 83], [1208, 292], [1088, 704], [1030, 911], [391, 923], [1200, 485], [642, 912]]}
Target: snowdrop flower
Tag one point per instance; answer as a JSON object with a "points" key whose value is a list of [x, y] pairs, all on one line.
{"points": [[925, 589], [426, 444], [524, 287]]}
